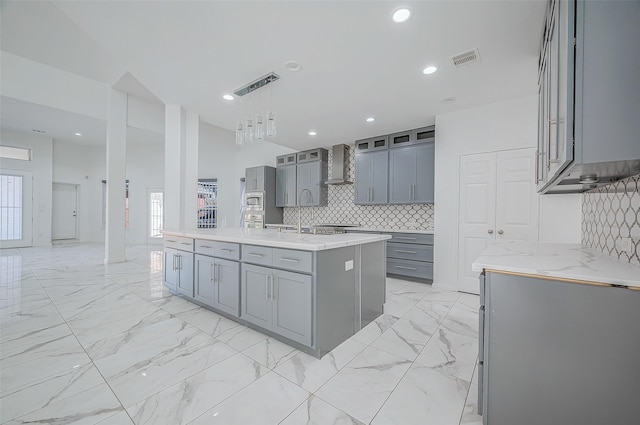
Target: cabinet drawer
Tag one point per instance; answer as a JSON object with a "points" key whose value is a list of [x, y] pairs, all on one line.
{"points": [[179, 242], [407, 251], [230, 251], [417, 238], [257, 255], [289, 259], [410, 268]]}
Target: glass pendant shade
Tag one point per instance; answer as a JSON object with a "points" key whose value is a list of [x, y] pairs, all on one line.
{"points": [[271, 124], [259, 128], [239, 133], [249, 133]]}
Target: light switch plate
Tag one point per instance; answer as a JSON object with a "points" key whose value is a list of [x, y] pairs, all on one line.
{"points": [[348, 265]]}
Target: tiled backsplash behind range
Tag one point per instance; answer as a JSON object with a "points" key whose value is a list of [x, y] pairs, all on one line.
{"points": [[341, 209], [610, 213]]}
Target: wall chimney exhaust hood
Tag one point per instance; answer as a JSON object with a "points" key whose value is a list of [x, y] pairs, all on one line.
{"points": [[339, 165]]}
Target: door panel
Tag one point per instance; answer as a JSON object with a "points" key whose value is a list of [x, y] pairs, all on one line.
{"points": [[380, 177], [227, 286], [64, 211], [204, 285], [477, 214], [256, 306], [425, 173], [185, 270], [170, 269], [402, 175], [292, 306]]}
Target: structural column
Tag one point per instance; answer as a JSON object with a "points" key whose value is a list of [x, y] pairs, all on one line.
{"points": [[114, 248], [180, 168]]}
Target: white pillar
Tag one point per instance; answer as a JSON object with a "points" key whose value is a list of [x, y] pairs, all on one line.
{"points": [[180, 168], [114, 246]]}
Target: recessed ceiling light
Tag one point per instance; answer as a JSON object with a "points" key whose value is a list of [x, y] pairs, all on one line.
{"points": [[429, 70], [293, 66], [371, 119], [401, 15], [78, 134], [312, 133], [227, 97]]}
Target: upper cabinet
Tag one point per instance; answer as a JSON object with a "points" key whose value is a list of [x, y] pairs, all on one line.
{"points": [[396, 169], [588, 95], [300, 179], [254, 179]]}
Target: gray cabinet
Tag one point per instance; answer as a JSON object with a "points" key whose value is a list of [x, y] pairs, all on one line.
{"points": [[587, 135], [371, 177], [279, 301], [312, 191], [286, 186], [217, 283], [410, 254], [178, 271], [411, 174], [412, 137], [372, 144], [557, 352], [254, 179]]}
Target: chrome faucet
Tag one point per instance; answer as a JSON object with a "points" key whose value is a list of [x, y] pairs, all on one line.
{"points": [[300, 207]]}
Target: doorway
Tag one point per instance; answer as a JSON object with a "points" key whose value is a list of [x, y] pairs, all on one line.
{"points": [[64, 211], [498, 201], [16, 214]]}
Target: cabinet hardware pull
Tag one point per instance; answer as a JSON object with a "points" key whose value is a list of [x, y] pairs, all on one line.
{"points": [[537, 165], [290, 260], [185, 243], [216, 272], [213, 273], [179, 262], [406, 238], [266, 287], [500, 232], [174, 262], [251, 254], [170, 240], [205, 246], [490, 231], [271, 287], [407, 268], [405, 251], [226, 250]]}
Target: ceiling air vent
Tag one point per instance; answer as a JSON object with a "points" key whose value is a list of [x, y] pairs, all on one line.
{"points": [[256, 84], [466, 58]]}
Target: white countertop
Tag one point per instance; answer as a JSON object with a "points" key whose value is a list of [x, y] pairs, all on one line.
{"points": [[566, 261], [388, 230], [276, 239]]}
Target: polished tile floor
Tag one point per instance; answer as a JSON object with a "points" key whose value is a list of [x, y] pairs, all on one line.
{"points": [[86, 343]]}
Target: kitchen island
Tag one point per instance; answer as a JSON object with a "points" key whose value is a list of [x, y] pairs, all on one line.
{"points": [[310, 291], [559, 340]]}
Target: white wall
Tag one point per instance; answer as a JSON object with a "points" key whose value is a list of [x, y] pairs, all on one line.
{"points": [[41, 169], [504, 125]]}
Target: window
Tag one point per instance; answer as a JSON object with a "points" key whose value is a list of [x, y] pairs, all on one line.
{"points": [[10, 152], [207, 203], [156, 214], [10, 207]]}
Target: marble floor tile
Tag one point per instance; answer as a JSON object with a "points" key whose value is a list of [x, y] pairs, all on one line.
{"points": [[110, 315], [28, 398], [405, 338], [470, 300], [21, 295], [424, 397], [442, 295], [414, 290], [450, 353], [17, 342], [86, 408], [394, 285], [362, 386], [267, 401], [374, 329], [397, 306], [207, 321], [30, 322], [470, 414], [175, 304], [102, 305], [462, 320], [15, 313], [429, 312], [163, 372], [241, 337], [315, 411], [270, 352], [187, 400], [311, 373], [121, 418], [62, 344]]}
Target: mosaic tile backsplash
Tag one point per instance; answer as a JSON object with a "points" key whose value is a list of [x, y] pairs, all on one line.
{"points": [[341, 209], [610, 213]]}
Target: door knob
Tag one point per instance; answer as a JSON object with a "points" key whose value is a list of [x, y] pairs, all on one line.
{"points": [[500, 232], [490, 231]]}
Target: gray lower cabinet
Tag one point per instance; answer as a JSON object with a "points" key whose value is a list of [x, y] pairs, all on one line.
{"points": [[371, 178], [411, 255], [178, 271], [217, 283], [411, 174], [286, 186], [278, 300], [557, 352]]}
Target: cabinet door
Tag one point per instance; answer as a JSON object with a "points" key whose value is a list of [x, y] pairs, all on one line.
{"points": [[281, 186], [255, 296], [402, 175], [371, 178], [308, 176], [251, 179], [260, 172], [227, 286], [363, 179], [170, 269], [185, 270], [380, 177], [204, 280], [425, 164], [291, 185], [292, 306]]}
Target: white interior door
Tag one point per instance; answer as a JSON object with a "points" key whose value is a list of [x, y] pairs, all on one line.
{"points": [[516, 197], [477, 214], [16, 214], [64, 211]]}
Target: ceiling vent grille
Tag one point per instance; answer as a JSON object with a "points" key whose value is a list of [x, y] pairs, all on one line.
{"points": [[466, 58], [256, 84]]}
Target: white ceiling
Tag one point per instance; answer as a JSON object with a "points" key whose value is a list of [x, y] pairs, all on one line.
{"points": [[356, 62]]}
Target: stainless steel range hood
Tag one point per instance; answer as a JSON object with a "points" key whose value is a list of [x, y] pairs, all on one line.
{"points": [[339, 165]]}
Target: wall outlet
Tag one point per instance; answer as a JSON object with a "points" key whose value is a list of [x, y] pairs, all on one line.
{"points": [[624, 245], [348, 265]]}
